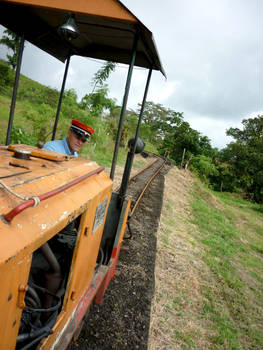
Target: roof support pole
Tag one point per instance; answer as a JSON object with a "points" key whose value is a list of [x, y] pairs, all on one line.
{"points": [[123, 108], [130, 156], [142, 108], [60, 98], [13, 103]]}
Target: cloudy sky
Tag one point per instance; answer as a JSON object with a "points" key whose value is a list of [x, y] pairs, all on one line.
{"points": [[211, 51]]}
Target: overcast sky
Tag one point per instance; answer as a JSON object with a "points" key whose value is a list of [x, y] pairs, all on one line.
{"points": [[211, 51]]}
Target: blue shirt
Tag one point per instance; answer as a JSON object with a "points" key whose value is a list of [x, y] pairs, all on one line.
{"points": [[60, 146]]}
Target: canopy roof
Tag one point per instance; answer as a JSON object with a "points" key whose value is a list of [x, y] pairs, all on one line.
{"points": [[107, 29]]}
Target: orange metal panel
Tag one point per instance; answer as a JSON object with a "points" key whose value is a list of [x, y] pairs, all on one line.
{"points": [[36, 225], [105, 8], [13, 275], [30, 229], [87, 251], [82, 268]]}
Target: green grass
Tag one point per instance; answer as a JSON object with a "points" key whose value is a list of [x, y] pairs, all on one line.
{"points": [[228, 233], [151, 148]]}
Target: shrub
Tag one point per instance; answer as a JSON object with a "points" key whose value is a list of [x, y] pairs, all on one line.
{"points": [[203, 167], [5, 77], [21, 136]]}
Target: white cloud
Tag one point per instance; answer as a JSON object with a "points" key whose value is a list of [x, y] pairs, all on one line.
{"points": [[162, 91], [214, 129]]}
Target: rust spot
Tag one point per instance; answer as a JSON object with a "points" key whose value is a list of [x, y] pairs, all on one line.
{"points": [[2, 217], [10, 258], [86, 230], [20, 166], [21, 296], [73, 295]]}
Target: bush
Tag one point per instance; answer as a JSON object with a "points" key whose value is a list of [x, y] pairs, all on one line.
{"points": [[5, 77], [203, 167], [21, 136]]}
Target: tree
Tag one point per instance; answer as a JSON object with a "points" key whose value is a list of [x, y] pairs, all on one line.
{"points": [[204, 167], [97, 102], [245, 156], [183, 137], [252, 132], [158, 121], [11, 41]]}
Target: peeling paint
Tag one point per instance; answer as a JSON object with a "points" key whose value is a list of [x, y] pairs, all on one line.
{"points": [[19, 226], [71, 274], [10, 258], [62, 331], [43, 226]]}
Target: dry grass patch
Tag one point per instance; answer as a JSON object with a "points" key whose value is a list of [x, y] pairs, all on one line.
{"points": [[209, 270], [176, 321]]}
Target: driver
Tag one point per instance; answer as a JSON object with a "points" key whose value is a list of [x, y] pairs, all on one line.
{"points": [[78, 134]]}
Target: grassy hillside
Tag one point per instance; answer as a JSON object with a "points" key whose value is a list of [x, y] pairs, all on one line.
{"points": [[35, 104], [35, 113], [209, 271]]}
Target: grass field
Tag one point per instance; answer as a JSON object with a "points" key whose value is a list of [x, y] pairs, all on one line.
{"points": [[209, 271]]}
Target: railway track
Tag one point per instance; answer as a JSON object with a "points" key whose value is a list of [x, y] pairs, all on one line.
{"points": [[139, 182]]}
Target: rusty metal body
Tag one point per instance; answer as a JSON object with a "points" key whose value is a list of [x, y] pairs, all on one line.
{"points": [[86, 201]]}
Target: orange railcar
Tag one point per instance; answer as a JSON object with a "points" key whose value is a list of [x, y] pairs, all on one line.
{"points": [[61, 225]]}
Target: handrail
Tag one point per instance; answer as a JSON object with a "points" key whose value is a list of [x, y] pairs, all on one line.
{"points": [[29, 203]]}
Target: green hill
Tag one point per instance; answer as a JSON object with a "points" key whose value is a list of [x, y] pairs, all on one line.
{"points": [[35, 113], [34, 101]]}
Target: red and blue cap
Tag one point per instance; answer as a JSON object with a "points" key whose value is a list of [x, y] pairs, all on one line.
{"points": [[81, 129]]}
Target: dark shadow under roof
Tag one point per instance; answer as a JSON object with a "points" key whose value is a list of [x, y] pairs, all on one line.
{"points": [[101, 37]]}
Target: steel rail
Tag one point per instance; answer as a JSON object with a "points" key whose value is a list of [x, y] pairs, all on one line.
{"points": [[137, 174], [147, 185]]}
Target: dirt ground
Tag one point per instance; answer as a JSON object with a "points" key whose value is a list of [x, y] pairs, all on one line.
{"points": [[123, 319]]}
